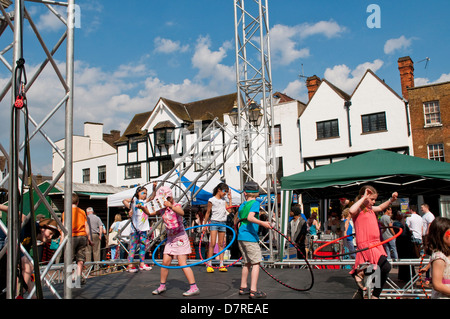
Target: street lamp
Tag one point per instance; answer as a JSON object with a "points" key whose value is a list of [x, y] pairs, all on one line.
{"points": [[255, 115], [234, 115]]}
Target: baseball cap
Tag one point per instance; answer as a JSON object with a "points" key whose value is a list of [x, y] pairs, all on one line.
{"points": [[251, 187]]}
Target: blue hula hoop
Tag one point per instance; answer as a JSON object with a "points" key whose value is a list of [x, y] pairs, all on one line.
{"points": [[202, 261]]}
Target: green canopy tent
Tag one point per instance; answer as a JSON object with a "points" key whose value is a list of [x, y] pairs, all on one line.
{"points": [[391, 171], [387, 171], [41, 209]]}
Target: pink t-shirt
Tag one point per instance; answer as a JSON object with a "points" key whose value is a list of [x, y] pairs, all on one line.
{"points": [[173, 221]]}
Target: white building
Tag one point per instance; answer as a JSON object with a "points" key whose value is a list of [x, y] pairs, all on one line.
{"points": [[287, 135], [336, 125], [154, 141], [94, 156]]}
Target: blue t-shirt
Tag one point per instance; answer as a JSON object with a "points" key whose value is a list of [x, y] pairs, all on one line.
{"points": [[249, 231], [349, 232]]}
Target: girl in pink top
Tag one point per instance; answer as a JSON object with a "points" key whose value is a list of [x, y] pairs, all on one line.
{"points": [[177, 243], [367, 233]]}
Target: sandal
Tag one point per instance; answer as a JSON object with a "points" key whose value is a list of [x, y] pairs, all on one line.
{"points": [[257, 294], [244, 291]]}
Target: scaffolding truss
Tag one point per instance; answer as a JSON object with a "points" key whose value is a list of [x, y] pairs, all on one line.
{"points": [[254, 90], [19, 173]]}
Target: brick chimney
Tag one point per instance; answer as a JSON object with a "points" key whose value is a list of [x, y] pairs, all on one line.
{"points": [[406, 68], [312, 83]]}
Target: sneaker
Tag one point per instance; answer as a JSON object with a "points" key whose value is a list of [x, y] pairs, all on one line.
{"points": [[132, 269], [145, 267], [159, 290], [223, 269], [209, 269], [191, 292]]}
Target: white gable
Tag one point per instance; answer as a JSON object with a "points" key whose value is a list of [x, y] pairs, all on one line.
{"points": [[325, 105], [161, 113]]}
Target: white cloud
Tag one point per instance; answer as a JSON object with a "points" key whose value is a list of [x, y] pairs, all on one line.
{"points": [[285, 39], [397, 44], [345, 78], [49, 22], [329, 29], [283, 47], [297, 90], [445, 77], [169, 46], [209, 63]]}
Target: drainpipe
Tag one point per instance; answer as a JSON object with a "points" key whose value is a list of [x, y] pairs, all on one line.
{"points": [[408, 122], [347, 106]]}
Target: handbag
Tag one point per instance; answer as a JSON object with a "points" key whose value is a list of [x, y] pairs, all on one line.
{"points": [[112, 238]]}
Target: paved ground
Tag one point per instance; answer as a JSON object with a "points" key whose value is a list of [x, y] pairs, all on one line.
{"points": [[125, 294], [328, 284]]}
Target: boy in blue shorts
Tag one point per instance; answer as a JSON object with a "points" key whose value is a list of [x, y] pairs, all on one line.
{"points": [[248, 240]]}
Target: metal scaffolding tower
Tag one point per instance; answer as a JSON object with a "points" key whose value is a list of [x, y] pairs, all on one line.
{"points": [[19, 173], [255, 113]]}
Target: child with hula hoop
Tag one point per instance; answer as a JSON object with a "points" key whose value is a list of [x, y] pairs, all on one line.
{"points": [[218, 210], [139, 227], [367, 232], [248, 240], [177, 244]]}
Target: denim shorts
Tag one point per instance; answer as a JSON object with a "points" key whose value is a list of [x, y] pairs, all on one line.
{"points": [[218, 228]]}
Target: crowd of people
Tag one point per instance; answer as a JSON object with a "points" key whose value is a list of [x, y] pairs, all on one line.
{"points": [[360, 224], [367, 233]]}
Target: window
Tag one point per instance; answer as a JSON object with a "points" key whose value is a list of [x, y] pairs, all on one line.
{"points": [[375, 122], [327, 129], [164, 136], [432, 113], [86, 175], [277, 135], [436, 152], [132, 144], [165, 166], [133, 171], [102, 174]]}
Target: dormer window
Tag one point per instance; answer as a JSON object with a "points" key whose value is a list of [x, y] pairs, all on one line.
{"points": [[164, 136], [164, 132], [132, 144]]}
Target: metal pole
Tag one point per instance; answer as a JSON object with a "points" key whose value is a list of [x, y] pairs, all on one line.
{"points": [[69, 147], [13, 207], [239, 97]]}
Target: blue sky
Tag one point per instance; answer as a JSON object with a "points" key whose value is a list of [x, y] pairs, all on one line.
{"points": [[130, 53]]}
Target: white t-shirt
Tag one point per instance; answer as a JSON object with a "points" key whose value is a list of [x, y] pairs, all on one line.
{"points": [[139, 219], [427, 219], [219, 209], [414, 222]]}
